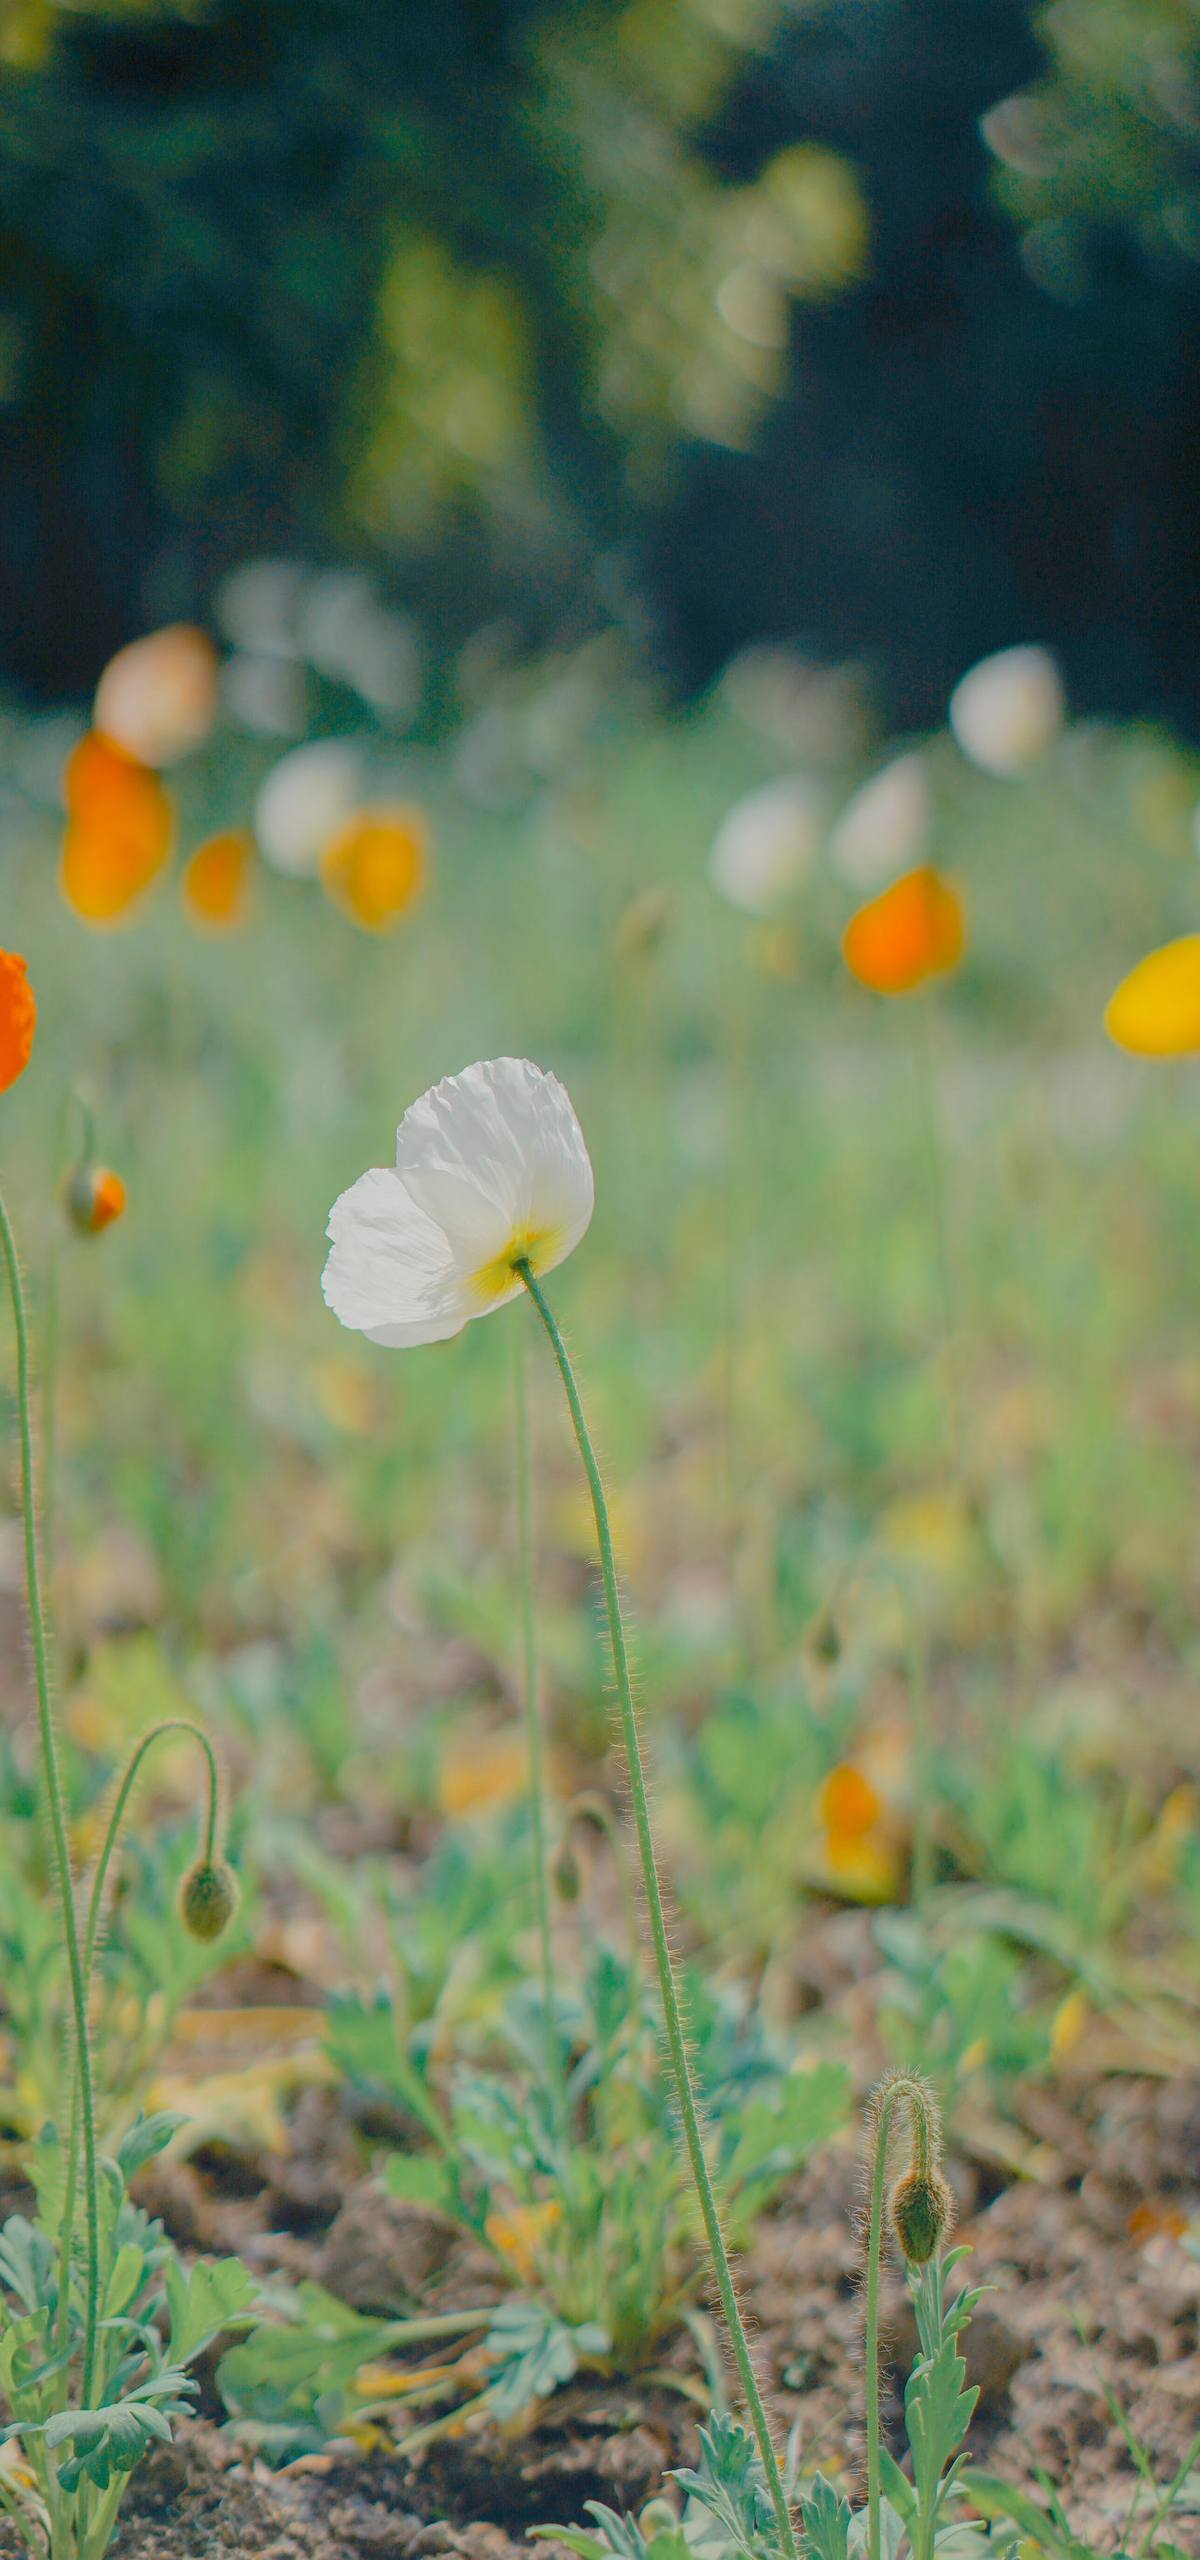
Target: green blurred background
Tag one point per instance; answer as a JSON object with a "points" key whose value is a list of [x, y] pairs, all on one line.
{"points": [[867, 323]]}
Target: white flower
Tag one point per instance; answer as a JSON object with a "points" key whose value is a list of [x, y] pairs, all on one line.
{"points": [[883, 829], [767, 844], [1006, 711], [491, 1170], [304, 800]]}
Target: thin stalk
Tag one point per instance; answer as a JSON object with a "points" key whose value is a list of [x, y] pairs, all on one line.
{"points": [[171, 1724], [535, 1737], [672, 2014], [52, 1779], [911, 2092], [935, 1165]]}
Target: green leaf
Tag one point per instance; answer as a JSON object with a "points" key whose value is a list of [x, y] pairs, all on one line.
{"points": [[216, 2294], [419, 2179], [938, 2409], [534, 2352], [825, 2516], [145, 2140], [777, 2134], [998, 2499]]}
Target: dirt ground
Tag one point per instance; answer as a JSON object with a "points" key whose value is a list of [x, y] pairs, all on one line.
{"points": [[1093, 2293]]}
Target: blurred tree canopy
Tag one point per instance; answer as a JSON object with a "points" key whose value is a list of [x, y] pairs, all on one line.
{"points": [[860, 320]]}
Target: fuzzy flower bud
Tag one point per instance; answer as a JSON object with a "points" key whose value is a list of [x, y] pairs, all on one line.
{"points": [[95, 1197], [567, 1879], [922, 2212], [208, 1898]]}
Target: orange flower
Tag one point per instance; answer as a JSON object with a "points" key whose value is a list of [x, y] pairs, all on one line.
{"points": [[95, 1198], [1156, 1009], [216, 883], [158, 697], [119, 826], [912, 931], [848, 1803], [18, 1018], [374, 867]]}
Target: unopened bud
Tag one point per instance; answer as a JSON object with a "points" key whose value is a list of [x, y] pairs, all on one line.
{"points": [[823, 1638], [922, 2212], [95, 1197], [567, 1879], [208, 1898]]}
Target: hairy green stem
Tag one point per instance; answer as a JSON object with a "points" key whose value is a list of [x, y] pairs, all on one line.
{"points": [[935, 1161], [672, 2013], [52, 1780], [170, 1724], [535, 1738], [903, 2088]]}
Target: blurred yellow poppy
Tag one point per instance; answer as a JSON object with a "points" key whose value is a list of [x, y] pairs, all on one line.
{"points": [[913, 931], [216, 883], [374, 867], [1155, 1012]]}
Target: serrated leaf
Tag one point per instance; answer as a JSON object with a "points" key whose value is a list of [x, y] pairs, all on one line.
{"points": [[215, 2294], [145, 2140], [825, 2516]]}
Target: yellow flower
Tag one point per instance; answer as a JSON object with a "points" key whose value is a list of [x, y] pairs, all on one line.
{"points": [[517, 2235], [1155, 1012], [374, 867]]}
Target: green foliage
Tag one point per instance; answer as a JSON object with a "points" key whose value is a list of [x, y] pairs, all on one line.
{"points": [[157, 2319]]}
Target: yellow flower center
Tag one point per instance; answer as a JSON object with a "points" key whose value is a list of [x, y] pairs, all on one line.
{"points": [[500, 1278]]}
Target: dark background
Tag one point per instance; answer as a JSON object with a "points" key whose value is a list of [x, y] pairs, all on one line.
{"points": [[986, 434]]}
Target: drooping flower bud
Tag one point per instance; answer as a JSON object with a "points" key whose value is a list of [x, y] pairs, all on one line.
{"points": [[208, 1898], [922, 2213], [567, 1878], [95, 1198]]}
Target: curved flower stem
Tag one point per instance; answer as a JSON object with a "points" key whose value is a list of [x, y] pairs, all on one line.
{"points": [[95, 1913], [535, 1738], [52, 1779], [935, 1159], [672, 2013], [902, 2088]]}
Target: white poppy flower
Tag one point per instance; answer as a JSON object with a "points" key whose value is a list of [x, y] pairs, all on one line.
{"points": [[491, 1170], [884, 828], [1006, 711], [303, 801], [767, 844]]}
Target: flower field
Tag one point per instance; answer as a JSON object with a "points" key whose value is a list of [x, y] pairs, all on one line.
{"points": [[599, 1768]]}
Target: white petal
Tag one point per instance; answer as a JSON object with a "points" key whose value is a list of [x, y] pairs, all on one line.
{"points": [[767, 844], [1008, 710], [391, 1272], [493, 1154]]}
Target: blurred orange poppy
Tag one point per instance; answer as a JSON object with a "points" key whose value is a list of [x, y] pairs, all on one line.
{"points": [[216, 883], [119, 828], [158, 697], [912, 931], [849, 1805], [1155, 1012], [18, 1018], [374, 867]]}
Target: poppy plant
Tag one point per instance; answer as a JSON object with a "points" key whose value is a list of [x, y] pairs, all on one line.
{"points": [[18, 1018], [119, 830], [1155, 1012], [216, 883], [913, 931], [492, 1188], [374, 866]]}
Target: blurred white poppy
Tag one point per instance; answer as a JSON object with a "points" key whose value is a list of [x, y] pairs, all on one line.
{"points": [[1008, 710], [491, 1171], [264, 694], [306, 797], [258, 606], [883, 829], [767, 844], [349, 634], [158, 697]]}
